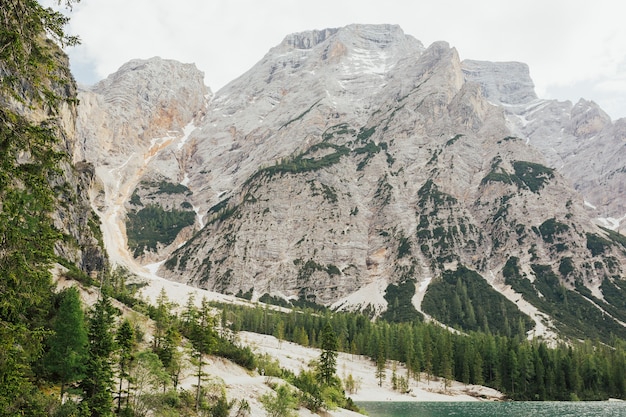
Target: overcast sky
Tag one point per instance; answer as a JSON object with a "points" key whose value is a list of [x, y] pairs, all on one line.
{"points": [[575, 48]]}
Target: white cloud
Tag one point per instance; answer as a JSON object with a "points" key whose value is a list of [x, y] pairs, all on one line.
{"points": [[565, 43]]}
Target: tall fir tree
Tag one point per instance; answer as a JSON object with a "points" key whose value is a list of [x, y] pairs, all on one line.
{"points": [[202, 337], [381, 362], [328, 357], [67, 352], [125, 338], [98, 383]]}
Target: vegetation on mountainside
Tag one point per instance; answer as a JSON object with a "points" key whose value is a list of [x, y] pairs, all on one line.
{"points": [[152, 225], [303, 162], [532, 175], [400, 306], [574, 315], [527, 175], [523, 369], [464, 300]]}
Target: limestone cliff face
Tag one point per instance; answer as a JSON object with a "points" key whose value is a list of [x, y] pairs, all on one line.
{"points": [[352, 159], [125, 122], [79, 241]]}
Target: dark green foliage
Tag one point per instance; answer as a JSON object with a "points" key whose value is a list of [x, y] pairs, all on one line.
{"points": [[575, 316], [550, 228], [597, 244], [34, 74], [125, 339], [30, 37], [383, 191], [329, 193], [338, 130], [67, 354], [456, 137], [245, 295], [221, 211], [27, 233], [533, 176], [579, 317], [614, 292], [165, 187], [494, 176], [365, 133], [526, 175], [311, 266], [98, 382], [222, 205], [222, 407], [242, 356], [301, 115], [463, 299], [400, 307], [524, 370], [328, 358], [566, 266], [615, 236], [152, 225], [305, 303], [369, 150], [429, 192], [404, 247], [302, 163], [135, 200], [116, 286], [277, 301]]}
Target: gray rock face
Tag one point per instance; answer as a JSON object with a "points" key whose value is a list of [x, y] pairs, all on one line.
{"points": [[76, 227], [124, 123], [350, 159], [578, 140], [501, 82]]}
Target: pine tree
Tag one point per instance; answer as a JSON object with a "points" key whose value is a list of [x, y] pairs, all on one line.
{"points": [[68, 345], [125, 341], [162, 320], [279, 332], [97, 385], [201, 335], [328, 357], [381, 361]]}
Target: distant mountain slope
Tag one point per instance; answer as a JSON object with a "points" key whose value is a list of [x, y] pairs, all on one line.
{"points": [[354, 158]]}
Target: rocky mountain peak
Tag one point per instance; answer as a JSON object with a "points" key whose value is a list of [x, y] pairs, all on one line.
{"points": [[588, 119], [501, 82], [143, 100], [308, 39], [376, 35]]}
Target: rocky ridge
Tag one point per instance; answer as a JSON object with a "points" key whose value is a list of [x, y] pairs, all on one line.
{"points": [[579, 140]]}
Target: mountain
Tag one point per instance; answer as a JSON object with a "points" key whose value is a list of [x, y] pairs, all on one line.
{"points": [[357, 169], [569, 136]]}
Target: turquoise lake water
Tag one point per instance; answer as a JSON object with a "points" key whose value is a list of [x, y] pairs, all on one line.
{"points": [[499, 409]]}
